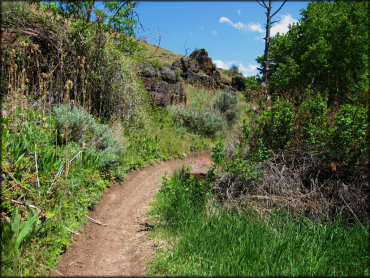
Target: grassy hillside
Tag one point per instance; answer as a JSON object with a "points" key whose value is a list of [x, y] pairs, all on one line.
{"points": [[156, 53], [287, 194], [70, 129]]}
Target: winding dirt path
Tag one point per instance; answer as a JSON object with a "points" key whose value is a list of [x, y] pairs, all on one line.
{"points": [[122, 247]]}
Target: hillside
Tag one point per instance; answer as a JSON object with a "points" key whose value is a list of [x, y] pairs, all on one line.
{"points": [[84, 106], [157, 53]]}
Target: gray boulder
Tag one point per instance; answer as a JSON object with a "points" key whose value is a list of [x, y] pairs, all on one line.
{"points": [[168, 75], [150, 72]]}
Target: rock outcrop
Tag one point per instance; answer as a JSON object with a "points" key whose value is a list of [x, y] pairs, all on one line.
{"points": [[238, 83], [166, 84]]}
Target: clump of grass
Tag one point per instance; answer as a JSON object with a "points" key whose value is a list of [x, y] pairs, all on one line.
{"points": [[210, 240]]}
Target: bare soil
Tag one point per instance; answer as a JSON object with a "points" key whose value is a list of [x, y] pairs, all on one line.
{"points": [[122, 247]]}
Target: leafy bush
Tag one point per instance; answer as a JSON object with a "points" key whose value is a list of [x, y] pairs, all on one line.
{"points": [[80, 126], [251, 85], [348, 141], [207, 122], [226, 105], [278, 125], [312, 121], [327, 50]]}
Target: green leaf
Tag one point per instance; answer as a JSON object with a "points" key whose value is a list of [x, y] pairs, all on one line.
{"points": [[15, 221], [26, 229]]}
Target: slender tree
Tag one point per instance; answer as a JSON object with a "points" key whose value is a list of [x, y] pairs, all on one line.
{"points": [[269, 16]]}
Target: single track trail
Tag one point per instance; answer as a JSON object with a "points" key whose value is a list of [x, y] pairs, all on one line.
{"points": [[122, 247]]}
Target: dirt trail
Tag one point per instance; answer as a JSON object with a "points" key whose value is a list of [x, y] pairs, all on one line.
{"points": [[122, 247]]}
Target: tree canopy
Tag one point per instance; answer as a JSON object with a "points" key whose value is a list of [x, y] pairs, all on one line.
{"points": [[327, 50]]}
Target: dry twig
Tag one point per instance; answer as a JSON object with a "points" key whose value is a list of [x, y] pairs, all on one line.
{"points": [[95, 221]]}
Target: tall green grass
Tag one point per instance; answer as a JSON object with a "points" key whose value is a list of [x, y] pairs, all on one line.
{"points": [[208, 240]]}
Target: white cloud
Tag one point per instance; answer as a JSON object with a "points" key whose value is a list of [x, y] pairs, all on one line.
{"points": [[225, 19], [191, 33], [245, 70], [239, 12], [254, 27], [282, 26], [214, 33], [238, 25], [201, 28], [223, 65], [249, 70]]}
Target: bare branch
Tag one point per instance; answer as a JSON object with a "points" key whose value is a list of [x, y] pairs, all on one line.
{"points": [[37, 171], [279, 8], [15, 180], [95, 221], [263, 6], [23, 204], [69, 230]]}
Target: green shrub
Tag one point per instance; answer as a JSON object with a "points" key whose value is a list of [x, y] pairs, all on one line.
{"points": [[312, 121], [251, 85], [80, 126], [226, 104], [278, 125], [207, 122], [73, 122], [103, 146], [348, 142]]}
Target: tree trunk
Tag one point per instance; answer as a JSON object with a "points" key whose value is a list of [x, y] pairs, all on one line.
{"points": [[266, 68], [266, 60]]}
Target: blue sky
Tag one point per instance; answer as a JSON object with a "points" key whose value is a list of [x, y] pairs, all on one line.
{"points": [[231, 32]]}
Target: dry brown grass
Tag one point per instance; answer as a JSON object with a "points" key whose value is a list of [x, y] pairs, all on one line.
{"points": [[300, 183], [161, 55]]}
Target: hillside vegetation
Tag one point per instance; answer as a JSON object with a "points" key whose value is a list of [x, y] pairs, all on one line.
{"points": [[288, 190], [289, 195], [75, 118]]}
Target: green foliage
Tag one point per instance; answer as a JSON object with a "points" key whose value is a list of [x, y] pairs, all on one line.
{"points": [[337, 135], [209, 240], [13, 234], [277, 125], [180, 197], [79, 126], [312, 121], [64, 200], [327, 50], [226, 104], [207, 122], [348, 140], [251, 85]]}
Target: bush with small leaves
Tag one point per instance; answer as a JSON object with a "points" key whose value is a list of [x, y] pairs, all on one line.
{"points": [[226, 105], [278, 125], [348, 141], [203, 122], [81, 127]]}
